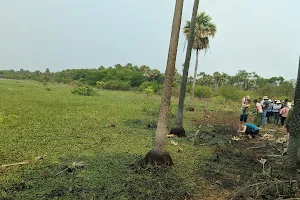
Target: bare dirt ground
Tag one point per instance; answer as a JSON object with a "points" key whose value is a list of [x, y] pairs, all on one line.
{"points": [[243, 168]]}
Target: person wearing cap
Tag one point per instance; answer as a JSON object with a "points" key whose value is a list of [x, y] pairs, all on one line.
{"points": [[276, 110], [265, 107], [259, 111]]}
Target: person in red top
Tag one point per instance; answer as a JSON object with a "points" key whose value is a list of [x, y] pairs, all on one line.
{"points": [[284, 113]]}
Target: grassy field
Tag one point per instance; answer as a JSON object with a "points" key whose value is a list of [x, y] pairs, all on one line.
{"points": [[109, 132], [92, 147]]}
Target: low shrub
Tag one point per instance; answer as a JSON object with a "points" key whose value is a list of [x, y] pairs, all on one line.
{"points": [[203, 92], [156, 86], [116, 85], [84, 91], [149, 91], [219, 99], [230, 93], [100, 84]]}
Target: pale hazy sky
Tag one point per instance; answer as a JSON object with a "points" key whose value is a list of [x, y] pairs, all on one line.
{"points": [[256, 35]]}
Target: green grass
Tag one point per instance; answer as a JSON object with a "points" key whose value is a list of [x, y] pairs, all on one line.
{"points": [[107, 131]]}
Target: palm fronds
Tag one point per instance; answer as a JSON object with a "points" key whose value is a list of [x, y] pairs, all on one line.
{"points": [[203, 30]]}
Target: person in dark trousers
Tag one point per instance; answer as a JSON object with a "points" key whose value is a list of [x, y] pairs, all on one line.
{"points": [[284, 113], [244, 113], [250, 129], [276, 110]]}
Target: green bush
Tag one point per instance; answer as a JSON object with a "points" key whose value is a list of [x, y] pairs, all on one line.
{"points": [[203, 92], [219, 99], [149, 91], [116, 85], [176, 85], [188, 88], [100, 84], [84, 91], [230, 92], [156, 86]]}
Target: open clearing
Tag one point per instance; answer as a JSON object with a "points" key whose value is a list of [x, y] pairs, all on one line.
{"points": [[91, 148]]}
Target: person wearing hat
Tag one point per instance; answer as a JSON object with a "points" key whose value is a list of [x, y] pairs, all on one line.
{"points": [[276, 110], [265, 107]]}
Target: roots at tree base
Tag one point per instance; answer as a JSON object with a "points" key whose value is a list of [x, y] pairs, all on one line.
{"points": [[178, 130], [191, 109], [157, 158]]}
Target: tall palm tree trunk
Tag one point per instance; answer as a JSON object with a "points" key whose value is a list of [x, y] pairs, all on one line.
{"points": [[195, 77], [158, 155], [292, 158], [178, 128]]}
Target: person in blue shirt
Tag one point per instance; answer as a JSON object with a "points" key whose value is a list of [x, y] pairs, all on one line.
{"points": [[250, 129]]}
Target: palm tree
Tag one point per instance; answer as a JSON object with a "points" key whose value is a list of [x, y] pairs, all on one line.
{"points": [[290, 167], [158, 155], [178, 128], [204, 29]]}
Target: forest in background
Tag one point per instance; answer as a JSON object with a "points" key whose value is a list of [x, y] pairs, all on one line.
{"points": [[143, 78]]}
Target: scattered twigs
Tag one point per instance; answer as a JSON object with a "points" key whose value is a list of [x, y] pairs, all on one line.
{"points": [[274, 155], [260, 184], [22, 163], [72, 167], [260, 147]]}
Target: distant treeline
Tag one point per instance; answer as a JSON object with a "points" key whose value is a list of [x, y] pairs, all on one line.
{"points": [[132, 77]]}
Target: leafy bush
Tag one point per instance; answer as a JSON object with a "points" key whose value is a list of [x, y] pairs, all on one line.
{"points": [[100, 84], [176, 85], [230, 92], [203, 92], [149, 90], [188, 88], [219, 99], [84, 91], [116, 85], [156, 86]]}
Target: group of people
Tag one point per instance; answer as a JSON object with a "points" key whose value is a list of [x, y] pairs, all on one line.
{"points": [[267, 112]]}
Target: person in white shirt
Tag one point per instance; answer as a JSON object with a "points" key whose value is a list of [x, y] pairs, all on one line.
{"points": [[276, 109]]}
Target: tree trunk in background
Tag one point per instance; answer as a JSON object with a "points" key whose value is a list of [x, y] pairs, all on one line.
{"points": [[178, 128], [195, 78], [158, 155], [292, 158]]}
